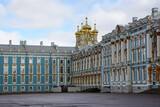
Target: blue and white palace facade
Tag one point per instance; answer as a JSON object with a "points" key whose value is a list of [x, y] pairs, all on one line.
{"points": [[125, 60]]}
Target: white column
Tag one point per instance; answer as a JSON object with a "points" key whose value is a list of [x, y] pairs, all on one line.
{"points": [[113, 53], [86, 62], [148, 46], [158, 46], [65, 71], [58, 71], [89, 62], [99, 60], [122, 50], [128, 49], [117, 53]]}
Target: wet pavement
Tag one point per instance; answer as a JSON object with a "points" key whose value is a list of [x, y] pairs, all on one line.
{"points": [[80, 100]]}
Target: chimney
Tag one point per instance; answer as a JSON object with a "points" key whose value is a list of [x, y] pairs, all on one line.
{"points": [[25, 42], [52, 43], [41, 43], [134, 19], [154, 11], [21, 42], [10, 42]]}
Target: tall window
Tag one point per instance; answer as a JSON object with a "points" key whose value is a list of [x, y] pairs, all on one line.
{"points": [[31, 60], [14, 69], [61, 61], [38, 69], [5, 68], [114, 75], [47, 69], [61, 69], [46, 61], [38, 79], [14, 79], [54, 61], [54, 69], [5, 79], [68, 69], [68, 61], [38, 60], [133, 56], [144, 74], [61, 78], [46, 79], [118, 76], [134, 75], [31, 69], [143, 54], [14, 60], [138, 41], [5, 59], [22, 79], [124, 75], [30, 79], [139, 74], [133, 43], [22, 69], [22, 60], [54, 78], [138, 55], [68, 79]]}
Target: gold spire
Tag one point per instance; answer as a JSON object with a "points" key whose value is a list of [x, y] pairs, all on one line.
{"points": [[77, 27], [86, 20], [94, 25]]}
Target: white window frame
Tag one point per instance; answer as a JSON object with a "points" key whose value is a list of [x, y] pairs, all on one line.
{"points": [[30, 65], [54, 79], [47, 61], [46, 69], [54, 69], [22, 60], [22, 72], [6, 79], [38, 78], [14, 60], [30, 60], [14, 65], [22, 89], [5, 70], [6, 89], [15, 78], [5, 59], [39, 70], [13, 88], [22, 82], [46, 79], [30, 79], [38, 88], [30, 89], [47, 88], [38, 60]]}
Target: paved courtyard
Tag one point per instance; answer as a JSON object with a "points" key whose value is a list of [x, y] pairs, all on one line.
{"points": [[80, 100]]}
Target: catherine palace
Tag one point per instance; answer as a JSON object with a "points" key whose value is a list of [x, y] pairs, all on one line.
{"points": [[126, 60]]}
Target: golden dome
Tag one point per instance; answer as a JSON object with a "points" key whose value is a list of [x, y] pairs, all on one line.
{"points": [[95, 30], [86, 26], [77, 33]]}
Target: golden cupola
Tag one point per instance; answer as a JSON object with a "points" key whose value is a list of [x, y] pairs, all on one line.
{"points": [[86, 26], [95, 30], [85, 36]]}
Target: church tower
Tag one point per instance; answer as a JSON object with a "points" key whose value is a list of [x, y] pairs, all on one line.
{"points": [[85, 36]]}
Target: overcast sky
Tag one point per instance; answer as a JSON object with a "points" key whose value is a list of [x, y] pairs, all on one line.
{"points": [[57, 20]]}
